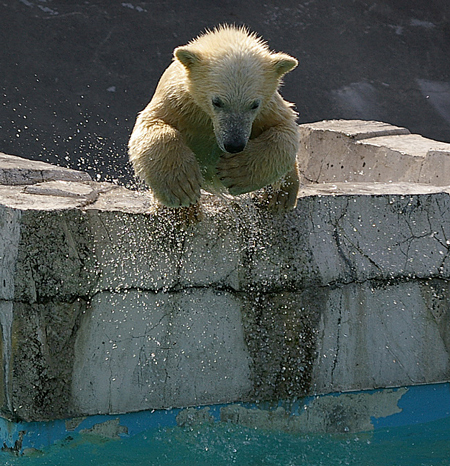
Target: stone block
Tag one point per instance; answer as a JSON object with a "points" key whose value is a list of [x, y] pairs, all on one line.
{"points": [[38, 346], [436, 167], [367, 151], [19, 171], [139, 350], [354, 238], [383, 335], [328, 151]]}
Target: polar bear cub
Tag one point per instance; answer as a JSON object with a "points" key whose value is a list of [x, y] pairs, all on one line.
{"points": [[217, 122]]}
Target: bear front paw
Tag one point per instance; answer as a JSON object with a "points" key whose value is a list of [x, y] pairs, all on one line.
{"points": [[234, 174], [283, 196], [279, 200], [178, 189]]}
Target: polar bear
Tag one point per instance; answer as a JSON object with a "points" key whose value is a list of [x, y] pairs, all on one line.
{"points": [[218, 122]]}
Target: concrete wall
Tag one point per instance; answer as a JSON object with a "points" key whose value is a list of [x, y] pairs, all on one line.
{"points": [[108, 308]]}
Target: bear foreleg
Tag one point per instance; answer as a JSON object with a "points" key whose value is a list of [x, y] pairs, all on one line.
{"points": [[282, 195], [162, 159]]}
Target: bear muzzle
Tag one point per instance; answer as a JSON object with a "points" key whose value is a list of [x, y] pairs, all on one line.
{"points": [[233, 132], [234, 146]]}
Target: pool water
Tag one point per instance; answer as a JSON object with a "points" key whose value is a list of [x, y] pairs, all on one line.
{"points": [[220, 444]]}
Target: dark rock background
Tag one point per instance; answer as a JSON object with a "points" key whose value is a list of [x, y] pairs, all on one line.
{"points": [[74, 74]]}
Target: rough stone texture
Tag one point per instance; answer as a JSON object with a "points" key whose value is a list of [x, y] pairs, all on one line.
{"points": [[338, 151], [43, 354], [107, 307], [188, 350], [18, 171], [378, 334]]}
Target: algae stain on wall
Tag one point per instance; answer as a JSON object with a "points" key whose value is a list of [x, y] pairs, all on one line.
{"points": [[348, 412]]}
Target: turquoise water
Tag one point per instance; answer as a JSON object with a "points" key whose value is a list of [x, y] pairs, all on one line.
{"points": [[227, 444]]}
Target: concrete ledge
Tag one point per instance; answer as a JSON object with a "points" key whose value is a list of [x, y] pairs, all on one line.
{"points": [[346, 151], [107, 308], [18, 171]]}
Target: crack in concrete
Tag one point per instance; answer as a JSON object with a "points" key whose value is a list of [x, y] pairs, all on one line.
{"points": [[339, 231], [338, 336], [430, 233]]}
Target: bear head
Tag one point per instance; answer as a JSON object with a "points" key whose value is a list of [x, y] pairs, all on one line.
{"points": [[232, 76]]}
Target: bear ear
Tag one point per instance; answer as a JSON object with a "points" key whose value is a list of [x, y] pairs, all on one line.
{"points": [[186, 56], [283, 63]]}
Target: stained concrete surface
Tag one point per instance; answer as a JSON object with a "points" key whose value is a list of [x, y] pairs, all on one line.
{"points": [[107, 307], [75, 74]]}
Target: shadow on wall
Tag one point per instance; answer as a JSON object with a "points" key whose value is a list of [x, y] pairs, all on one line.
{"points": [[358, 99], [438, 94]]}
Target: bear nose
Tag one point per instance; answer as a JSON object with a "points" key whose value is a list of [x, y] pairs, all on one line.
{"points": [[233, 147]]}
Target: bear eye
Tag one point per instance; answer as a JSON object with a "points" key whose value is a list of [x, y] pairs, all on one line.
{"points": [[255, 105], [217, 102]]}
